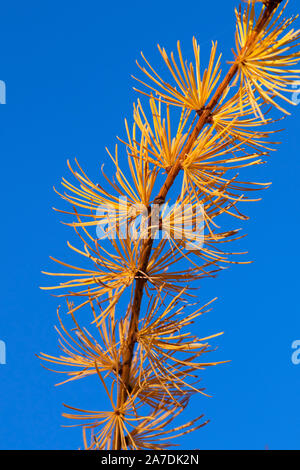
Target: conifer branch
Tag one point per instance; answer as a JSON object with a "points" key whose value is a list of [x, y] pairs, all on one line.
{"points": [[150, 361], [204, 116]]}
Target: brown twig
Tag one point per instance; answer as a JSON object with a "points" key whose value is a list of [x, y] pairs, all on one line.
{"points": [[204, 118]]}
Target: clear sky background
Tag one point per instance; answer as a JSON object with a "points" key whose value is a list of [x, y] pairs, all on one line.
{"points": [[67, 66]]}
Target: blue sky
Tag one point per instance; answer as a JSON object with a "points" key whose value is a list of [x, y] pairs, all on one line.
{"points": [[67, 68]]}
